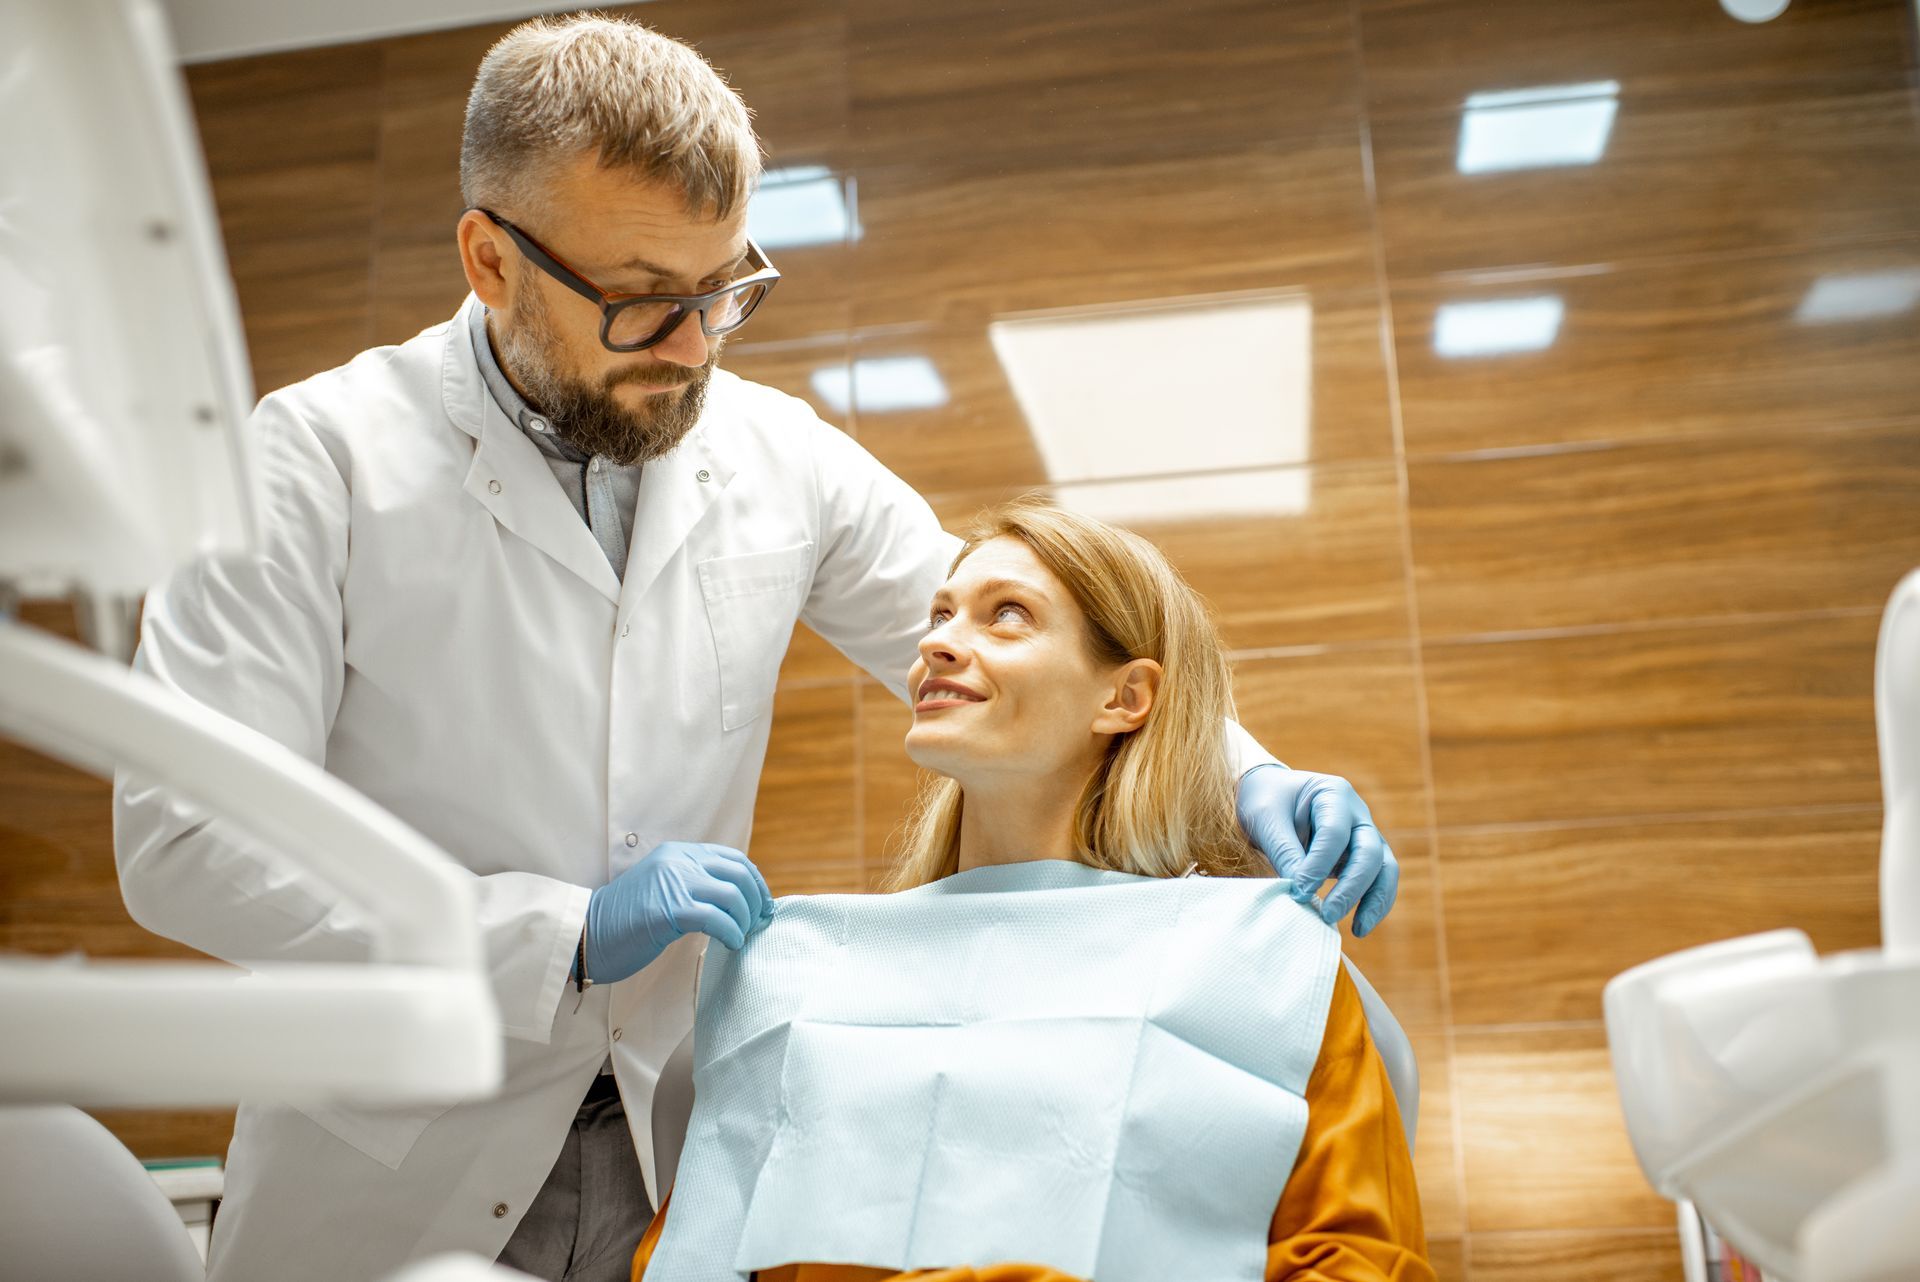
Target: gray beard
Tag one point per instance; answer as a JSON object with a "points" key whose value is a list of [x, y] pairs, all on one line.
{"points": [[585, 415]]}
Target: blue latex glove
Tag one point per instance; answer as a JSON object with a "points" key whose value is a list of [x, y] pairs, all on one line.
{"points": [[680, 887], [1314, 826]]}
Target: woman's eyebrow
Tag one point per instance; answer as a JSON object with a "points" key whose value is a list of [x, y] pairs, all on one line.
{"points": [[987, 587]]}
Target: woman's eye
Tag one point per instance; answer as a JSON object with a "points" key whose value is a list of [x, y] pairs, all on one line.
{"points": [[935, 619], [1009, 608]]}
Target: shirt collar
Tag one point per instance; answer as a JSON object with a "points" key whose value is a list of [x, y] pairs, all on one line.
{"points": [[508, 397]]}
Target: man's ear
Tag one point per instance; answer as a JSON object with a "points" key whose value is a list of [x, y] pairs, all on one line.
{"points": [[483, 250], [1136, 684]]}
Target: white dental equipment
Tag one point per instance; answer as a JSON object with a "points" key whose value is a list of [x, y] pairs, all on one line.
{"points": [[123, 391], [1779, 1091]]}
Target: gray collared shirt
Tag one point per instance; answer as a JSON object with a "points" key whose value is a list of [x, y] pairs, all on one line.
{"points": [[604, 493]]}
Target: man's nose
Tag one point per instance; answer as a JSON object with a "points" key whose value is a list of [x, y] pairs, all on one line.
{"points": [[687, 345]]}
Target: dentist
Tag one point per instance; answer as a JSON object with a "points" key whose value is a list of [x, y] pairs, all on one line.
{"points": [[526, 580]]}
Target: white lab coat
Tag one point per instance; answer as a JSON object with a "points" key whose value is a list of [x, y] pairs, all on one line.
{"points": [[428, 616]]}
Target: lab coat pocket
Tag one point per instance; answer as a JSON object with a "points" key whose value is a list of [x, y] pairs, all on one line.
{"points": [[386, 1135], [752, 603]]}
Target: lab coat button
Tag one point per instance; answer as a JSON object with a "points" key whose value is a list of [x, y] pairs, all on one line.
{"points": [[633, 839], [616, 1034], [625, 628], [494, 486], [499, 1210], [703, 475]]}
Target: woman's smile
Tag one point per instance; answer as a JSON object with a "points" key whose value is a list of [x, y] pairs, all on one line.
{"points": [[939, 692]]}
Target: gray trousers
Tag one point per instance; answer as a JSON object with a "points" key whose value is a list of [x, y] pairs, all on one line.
{"points": [[588, 1217]]}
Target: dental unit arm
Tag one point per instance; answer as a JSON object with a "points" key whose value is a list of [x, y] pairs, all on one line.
{"points": [[1777, 1090], [123, 397]]}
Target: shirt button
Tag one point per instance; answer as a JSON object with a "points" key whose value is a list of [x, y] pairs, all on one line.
{"points": [[537, 424], [616, 1034], [499, 1210], [494, 486], [633, 839], [703, 475], [598, 463]]}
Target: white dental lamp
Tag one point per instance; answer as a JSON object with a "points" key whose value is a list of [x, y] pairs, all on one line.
{"points": [[123, 394], [1777, 1090]]}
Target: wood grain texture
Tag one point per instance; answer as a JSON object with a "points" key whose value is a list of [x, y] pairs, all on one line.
{"points": [[989, 238], [981, 81], [1541, 1134], [1338, 552], [810, 660], [184, 1133], [59, 888], [1351, 712], [1547, 1256], [1431, 54], [1539, 919], [1448, 1256], [292, 146], [1771, 523], [889, 781], [805, 831], [1743, 171], [1721, 717], [1726, 346], [1401, 958], [1436, 1160]]}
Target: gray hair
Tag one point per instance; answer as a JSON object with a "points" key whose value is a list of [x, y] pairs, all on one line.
{"points": [[555, 87]]}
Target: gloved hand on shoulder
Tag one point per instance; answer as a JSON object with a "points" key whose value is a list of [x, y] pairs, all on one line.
{"points": [[1314, 826], [680, 888]]}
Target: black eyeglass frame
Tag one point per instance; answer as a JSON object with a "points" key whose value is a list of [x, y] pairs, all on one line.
{"points": [[611, 304]]}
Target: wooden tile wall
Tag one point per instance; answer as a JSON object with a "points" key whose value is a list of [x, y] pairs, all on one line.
{"points": [[1586, 610]]}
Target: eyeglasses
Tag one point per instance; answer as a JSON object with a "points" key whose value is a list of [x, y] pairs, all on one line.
{"points": [[635, 322]]}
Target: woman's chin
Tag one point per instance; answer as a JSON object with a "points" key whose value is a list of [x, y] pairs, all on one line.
{"points": [[934, 748]]}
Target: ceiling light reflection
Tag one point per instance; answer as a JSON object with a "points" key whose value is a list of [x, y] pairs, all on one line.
{"points": [[1173, 499], [882, 383], [1192, 385], [1497, 326], [1853, 296], [1537, 128], [1755, 10], [805, 205]]}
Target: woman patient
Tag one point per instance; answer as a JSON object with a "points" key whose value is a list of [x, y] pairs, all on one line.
{"points": [[1070, 695]]}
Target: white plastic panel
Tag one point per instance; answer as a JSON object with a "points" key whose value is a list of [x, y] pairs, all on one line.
{"points": [[123, 375]]}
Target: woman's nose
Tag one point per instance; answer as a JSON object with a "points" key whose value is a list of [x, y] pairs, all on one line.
{"points": [[939, 646]]}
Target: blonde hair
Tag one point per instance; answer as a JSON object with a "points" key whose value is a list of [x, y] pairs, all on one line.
{"points": [[1162, 800], [555, 87]]}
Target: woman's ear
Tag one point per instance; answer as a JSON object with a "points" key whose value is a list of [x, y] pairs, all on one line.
{"points": [[1136, 684]]}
